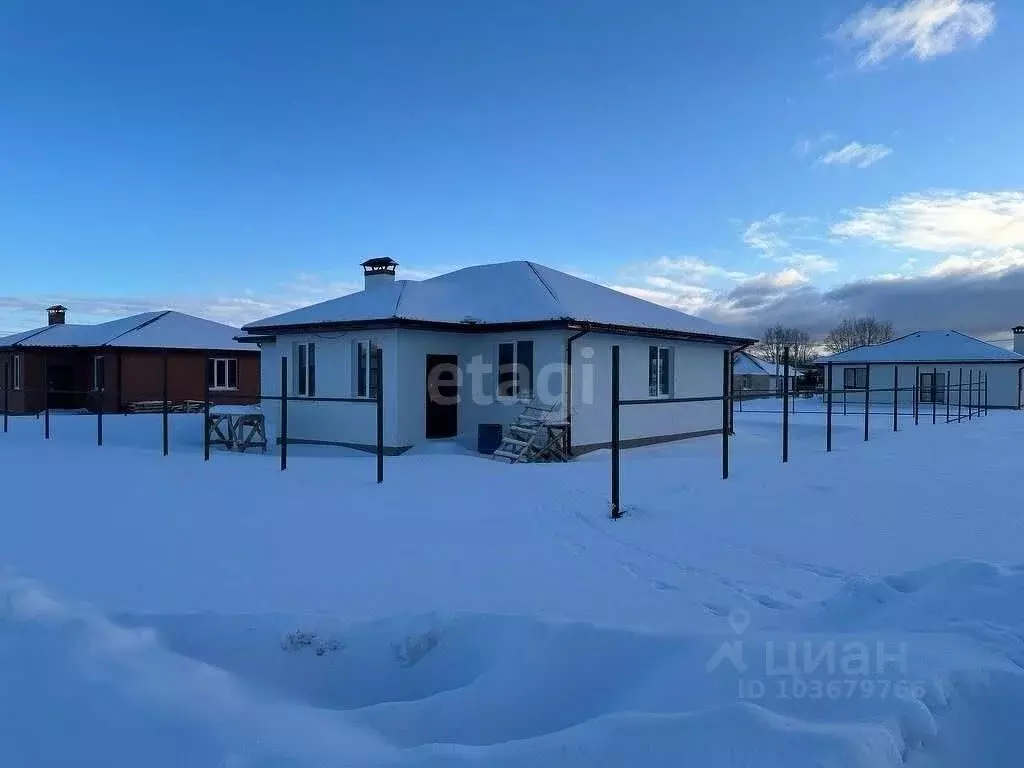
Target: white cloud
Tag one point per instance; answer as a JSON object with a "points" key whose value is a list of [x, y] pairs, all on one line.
{"points": [[695, 269], [856, 154], [809, 262], [765, 235], [942, 222], [923, 29], [979, 263]]}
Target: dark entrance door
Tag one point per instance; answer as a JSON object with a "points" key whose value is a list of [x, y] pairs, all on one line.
{"points": [[442, 396], [61, 383]]}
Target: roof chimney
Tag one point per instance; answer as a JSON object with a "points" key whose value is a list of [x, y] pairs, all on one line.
{"points": [[378, 272], [1018, 339], [56, 314]]}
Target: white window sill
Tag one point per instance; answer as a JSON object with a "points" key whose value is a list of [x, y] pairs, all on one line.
{"points": [[223, 389]]}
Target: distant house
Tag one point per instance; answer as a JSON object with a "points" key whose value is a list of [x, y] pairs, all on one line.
{"points": [[756, 377], [472, 347], [115, 364], [935, 359]]}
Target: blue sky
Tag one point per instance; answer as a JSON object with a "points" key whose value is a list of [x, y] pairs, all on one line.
{"points": [[747, 161]]}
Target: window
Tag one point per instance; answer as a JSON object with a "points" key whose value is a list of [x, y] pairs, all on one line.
{"points": [[659, 371], [933, 391], [855, 378], [367, 371], [16, 372], [747, 381], [515, 369], [222, 373], [99, 373], [305, 369]]}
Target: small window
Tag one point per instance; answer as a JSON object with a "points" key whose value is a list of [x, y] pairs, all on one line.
{"points": [[659, 371], [855, 378], [99, 366], [305, 369], [222, 373], [16, 372], [367, 370], [747, 381], [515, 369], [933, 391]]}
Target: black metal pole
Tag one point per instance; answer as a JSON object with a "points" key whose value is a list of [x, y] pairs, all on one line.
{"points": [[947, 396], [986, 393], [166, 424], [99, 417], [828, 411], [7, 386], [785, 405], [934, 388], [732, 398], [917, 394], [616, 509], [895, 398], [284, 413], [867, 399], [726, 376], [970, 395], [960, 398], [206, 414], [379, 353], [46, 397]]}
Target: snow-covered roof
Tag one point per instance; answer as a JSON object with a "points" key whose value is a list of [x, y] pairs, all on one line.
{"points": [[753, 365], [927, 347], [509, 292], [155, 330]]}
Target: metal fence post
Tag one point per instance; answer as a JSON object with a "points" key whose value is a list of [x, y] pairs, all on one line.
{"points": [[379, 353], [947, 396], [99, 417], [726, 375], [867, 399], [284, 413], [986, 393], [206, 414], [165, 418], [46, 397], [934, 388], [917, 394], [960, 398], [895, 398], [785, 405], [970, 395], [7, 386], [828, 411], [616, 509]]}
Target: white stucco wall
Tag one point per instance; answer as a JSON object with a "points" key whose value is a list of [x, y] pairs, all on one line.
{"points": [[696, 372], [1003, 383]]}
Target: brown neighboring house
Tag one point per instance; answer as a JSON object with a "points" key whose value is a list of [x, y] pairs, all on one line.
{"points": [[115, 364]]}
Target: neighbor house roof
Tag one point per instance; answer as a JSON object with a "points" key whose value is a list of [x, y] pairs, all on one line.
{"points": [[756, 366], [927, 347], [496, 294], [155, 330]]}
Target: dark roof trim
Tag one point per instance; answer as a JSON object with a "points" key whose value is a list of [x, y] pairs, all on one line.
{"points": [[156, 350], [430, 325], [932, 363]]}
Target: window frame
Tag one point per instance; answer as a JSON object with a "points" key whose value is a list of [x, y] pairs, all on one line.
{"points": [[304, 361], [366, 375], [214, 367], [516, 392], [16, 372], [855, 370], [99, 366], [939, 390], [660, 371]]}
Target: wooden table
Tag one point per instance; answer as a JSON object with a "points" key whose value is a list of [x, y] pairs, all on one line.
{"points": [[237, 427]]}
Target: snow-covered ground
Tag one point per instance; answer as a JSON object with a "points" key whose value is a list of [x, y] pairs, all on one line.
{"points": [[859, 608]]}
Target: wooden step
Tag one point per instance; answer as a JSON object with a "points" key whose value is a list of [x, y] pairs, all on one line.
{"points": [[506, 455]]}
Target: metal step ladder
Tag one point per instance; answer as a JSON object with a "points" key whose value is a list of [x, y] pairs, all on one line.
{"points": [[536, 434]]}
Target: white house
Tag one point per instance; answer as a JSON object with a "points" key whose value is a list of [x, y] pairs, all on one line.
{"points": [[756, 377], [471, 347], [938, 360]]}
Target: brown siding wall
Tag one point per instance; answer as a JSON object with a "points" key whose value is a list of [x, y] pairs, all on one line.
{"points": [[142, 377]]}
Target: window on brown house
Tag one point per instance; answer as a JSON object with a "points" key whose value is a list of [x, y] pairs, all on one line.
{"points": [[222, 373]]}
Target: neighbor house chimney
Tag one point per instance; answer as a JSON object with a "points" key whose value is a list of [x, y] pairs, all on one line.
{"points": [[55, 315], [1018, 339], [378, 272]]}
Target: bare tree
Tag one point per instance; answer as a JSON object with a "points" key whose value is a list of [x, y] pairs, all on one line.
{"points": [[856, 332], [775, 340]]}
